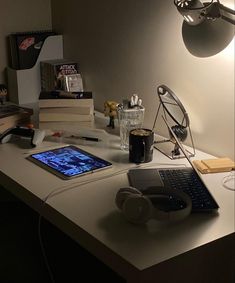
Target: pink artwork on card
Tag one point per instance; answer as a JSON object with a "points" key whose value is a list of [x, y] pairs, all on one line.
{"points": [[26, 43]]}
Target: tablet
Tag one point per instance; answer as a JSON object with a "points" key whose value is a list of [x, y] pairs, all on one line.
{"points": [[69, 162]]}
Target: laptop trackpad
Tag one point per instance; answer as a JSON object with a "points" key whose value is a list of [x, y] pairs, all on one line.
{"points": [[141, 179]]}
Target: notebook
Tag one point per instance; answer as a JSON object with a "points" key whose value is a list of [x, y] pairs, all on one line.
{"points": [[186, 179]]}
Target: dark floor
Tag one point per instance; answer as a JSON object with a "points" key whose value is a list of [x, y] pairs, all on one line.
{"points": [[21, 258]]}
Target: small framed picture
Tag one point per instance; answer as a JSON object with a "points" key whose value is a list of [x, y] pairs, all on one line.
{"points": [[73, 83]]}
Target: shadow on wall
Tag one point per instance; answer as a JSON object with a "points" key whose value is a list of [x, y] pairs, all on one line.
{"points": [[208, 38]]}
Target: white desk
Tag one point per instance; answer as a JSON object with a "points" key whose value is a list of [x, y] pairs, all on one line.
{"points": [[88, 214]]}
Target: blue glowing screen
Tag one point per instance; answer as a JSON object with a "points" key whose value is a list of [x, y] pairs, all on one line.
{"points": [[70, 160]]}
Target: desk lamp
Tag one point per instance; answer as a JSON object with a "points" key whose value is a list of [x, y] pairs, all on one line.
{"points": [[175, 113], [195, 11]]}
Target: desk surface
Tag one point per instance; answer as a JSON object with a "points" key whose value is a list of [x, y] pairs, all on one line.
{"points": [[88, 213]]}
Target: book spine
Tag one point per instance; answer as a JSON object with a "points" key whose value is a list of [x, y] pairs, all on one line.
{"points": [[13, 121], [48, 103], [69, 126], [44, 117], [82, 110], [65, 95], [6, 111]]}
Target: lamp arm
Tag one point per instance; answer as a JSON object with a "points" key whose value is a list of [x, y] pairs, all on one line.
{"points": [[226, 9], [227, 14], [220, 11], [227, 19]]}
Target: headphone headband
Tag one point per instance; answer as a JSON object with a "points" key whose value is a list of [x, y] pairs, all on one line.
{"points": [[139, 207]]}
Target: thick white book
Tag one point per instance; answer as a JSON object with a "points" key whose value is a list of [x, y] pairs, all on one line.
{"points": [[13, 121], [47, 103], [82, 110], [68, 126], [64, 117]]}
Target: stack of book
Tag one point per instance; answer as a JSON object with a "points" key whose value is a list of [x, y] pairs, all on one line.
{"points": [[13, 115], [60, 109]]}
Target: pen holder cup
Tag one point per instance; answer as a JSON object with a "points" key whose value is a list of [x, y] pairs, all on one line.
{"points": [[129, 119]]}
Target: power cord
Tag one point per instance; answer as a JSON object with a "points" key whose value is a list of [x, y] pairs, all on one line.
{"points": [[228, 181]]}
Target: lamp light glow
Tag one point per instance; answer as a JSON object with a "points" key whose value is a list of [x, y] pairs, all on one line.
{"points": [[190, 18]]}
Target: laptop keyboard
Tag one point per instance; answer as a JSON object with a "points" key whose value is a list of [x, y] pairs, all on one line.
{"points": [[188, 181]]}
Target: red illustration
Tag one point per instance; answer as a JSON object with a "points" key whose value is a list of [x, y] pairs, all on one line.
{"points": [[26, 43]]}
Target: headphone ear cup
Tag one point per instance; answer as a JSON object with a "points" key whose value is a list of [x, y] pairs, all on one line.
{"points": [[123, 194], [137, 209]]}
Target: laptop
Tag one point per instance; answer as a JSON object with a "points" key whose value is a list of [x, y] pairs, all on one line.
{"points": [[186, 179]]}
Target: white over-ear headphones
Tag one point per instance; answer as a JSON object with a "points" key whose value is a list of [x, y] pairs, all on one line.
{"points": [[138, 208]]}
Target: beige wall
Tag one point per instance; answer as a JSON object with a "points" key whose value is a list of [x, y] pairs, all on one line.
{"points": [[132, 46], [17, 16]]}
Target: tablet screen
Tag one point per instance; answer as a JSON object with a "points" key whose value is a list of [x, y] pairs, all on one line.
{"points": [[69, 161]]}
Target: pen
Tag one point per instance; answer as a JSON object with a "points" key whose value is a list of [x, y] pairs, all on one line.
{"points": [[84, 138]]}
